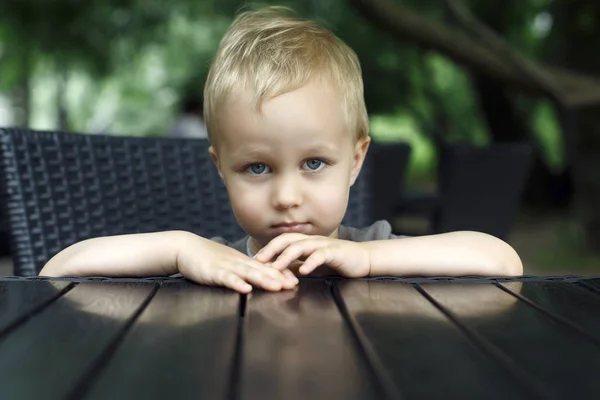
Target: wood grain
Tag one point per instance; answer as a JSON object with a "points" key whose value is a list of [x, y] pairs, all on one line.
{"points": [[553, 355], [182, 346], [46, 356], [569, 303], [18, 299], [296, 345], [424, 353], [593, 283]]}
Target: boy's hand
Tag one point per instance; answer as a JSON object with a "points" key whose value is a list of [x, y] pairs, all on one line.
{"points": [[349, 259], [211, 263]]}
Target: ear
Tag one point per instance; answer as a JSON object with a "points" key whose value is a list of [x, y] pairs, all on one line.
{"points": [[215, 158], [360, 152]]}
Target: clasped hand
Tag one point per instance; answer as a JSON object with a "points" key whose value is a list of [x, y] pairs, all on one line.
{"points": [[346, 258], [273, 267]]}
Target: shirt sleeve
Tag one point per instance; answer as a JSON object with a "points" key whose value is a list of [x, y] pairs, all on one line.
{"points": [[220, 240], [380, 230]]}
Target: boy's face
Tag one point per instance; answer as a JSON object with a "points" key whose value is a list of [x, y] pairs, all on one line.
{"points": [[289, 166]]}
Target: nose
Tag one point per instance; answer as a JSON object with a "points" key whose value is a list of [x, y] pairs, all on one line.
{"points": [[287, 192]]}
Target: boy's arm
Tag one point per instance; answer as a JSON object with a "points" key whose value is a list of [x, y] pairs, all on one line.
{"points": [[144, 254], [447, 254], [165, 253]]}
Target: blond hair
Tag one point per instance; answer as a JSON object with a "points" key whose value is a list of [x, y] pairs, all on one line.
{"points": [[271, 52]]}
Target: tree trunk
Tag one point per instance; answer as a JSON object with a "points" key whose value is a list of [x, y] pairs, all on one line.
{"points": [[582, 126], [503, 120], [506, 123], [587, 175], [21, 95], [62, 116]]}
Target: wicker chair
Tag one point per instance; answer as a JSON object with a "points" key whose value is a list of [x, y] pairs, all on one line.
{"points": [[61, 188], [480, 189], [387, 165]]}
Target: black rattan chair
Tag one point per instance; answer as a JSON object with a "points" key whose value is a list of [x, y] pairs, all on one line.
{"points": [[480, 189], [61, 188], [386, 169]]}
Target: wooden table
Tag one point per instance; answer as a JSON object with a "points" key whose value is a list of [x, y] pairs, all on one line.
{"points": [[330, 339]]}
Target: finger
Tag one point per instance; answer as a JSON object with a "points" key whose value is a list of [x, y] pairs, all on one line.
{"points": [[295, 251], [291, 280], [277, 245], [220, 277], [236, 283], [268, 269], [315, 260], [258, 277]]}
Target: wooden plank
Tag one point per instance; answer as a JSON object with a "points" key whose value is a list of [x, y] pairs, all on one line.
{"points": [[592, 283], [567, 302], [49, 354], [296, 345], [553, 354], [182, 346], [18, 299], [424, 352]]}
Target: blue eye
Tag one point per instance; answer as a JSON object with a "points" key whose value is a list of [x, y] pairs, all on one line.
{"points": [[257, 169], [314, 165]]}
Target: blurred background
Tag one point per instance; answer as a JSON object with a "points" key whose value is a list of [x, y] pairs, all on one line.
{"points": [[436, 72]]}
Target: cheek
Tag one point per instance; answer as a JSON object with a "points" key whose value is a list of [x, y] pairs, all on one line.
{"points": [[331, 199], [247, 203]]}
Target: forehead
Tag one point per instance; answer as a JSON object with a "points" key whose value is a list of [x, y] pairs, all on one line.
{"points": [[310, 115]]}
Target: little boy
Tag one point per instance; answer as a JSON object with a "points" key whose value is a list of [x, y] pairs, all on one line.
{"points": [[288, 126]]}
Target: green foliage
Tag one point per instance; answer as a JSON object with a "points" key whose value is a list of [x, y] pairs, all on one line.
{"points": [[96, 33], [547, 132], [403, 127], [129, 62]]}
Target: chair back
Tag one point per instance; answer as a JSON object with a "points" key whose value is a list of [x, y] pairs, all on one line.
{"points": [[481, 187], [60, 188], [387, 164]]}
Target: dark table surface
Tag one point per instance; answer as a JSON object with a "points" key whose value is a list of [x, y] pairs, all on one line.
{"points": [[329, 339]]}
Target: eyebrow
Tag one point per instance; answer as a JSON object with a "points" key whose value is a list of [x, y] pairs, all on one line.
{"points": [[262, 150], [249, 152], [330, 147]]}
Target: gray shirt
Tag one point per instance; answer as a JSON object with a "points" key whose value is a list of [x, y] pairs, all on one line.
{"points": [[380, 230]]}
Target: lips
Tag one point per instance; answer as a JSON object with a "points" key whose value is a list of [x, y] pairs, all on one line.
{"points": [[291, 227]]}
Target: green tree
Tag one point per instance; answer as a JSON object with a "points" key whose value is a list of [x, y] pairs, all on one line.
{"points": [[575, 95], [97, 36]]}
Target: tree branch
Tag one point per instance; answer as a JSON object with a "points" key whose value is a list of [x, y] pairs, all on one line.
{"points": [[498, 45], [568, 88]]}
